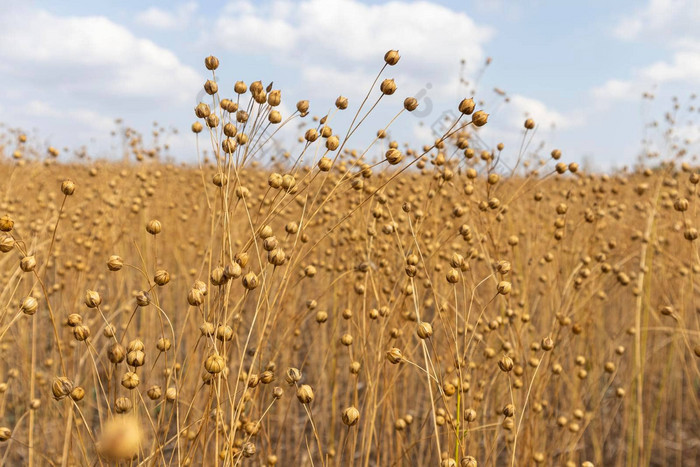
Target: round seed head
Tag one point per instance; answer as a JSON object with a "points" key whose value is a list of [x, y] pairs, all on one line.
{"points": [[68, 187], [350, 416], [305, 394]]}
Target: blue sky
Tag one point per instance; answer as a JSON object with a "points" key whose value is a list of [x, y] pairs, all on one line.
{"points": [[578, 68]]}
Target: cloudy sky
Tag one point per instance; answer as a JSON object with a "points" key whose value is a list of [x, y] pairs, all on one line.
{"points": [[67, 71]]}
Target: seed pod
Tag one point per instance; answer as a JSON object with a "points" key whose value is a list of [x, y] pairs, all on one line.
{"points": [[509, 410], [7, 243], [68, 187], [425, 330], [81, 333], [470, 415], [547, 344], [5, 433], [6, 223], [224, 333], [74, 320], [325, 164], [505, 364], [392, 57], [346, 340], [154, 227], [321, 317], [163, 344], [123, 405], [196, 127], [211, 62], [410, 104], [479, 118], [341, 102], [142, 299], [61, 387], [130, 380], [504, 287], [332, 143], [452, 276], [214, 364], [240, 87], [350, 416], [154, 392], [250, 281], [305, 394], [232, 271], [77, 394], [529, 124], [92, 299], [195, 297], [388, 87], [393, 156], [29, 305], [135, 358], [115, 263], [394, 355], [293, 376], [467, 106], [116, 353], [161, 277], [202, 110], [28, 263]]}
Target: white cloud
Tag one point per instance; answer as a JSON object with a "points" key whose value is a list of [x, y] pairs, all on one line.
{"points": [[348, 34], [161, 19], [682, 67], [616, 89], [90, 118], [521, 107], [91, 55], [660, 20]]}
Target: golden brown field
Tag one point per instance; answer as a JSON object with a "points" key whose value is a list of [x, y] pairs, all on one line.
{"points": [[427, 309]]}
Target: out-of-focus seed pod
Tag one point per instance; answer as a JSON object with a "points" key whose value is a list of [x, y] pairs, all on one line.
{"points": [[154, 392], [154, 227], [115, 263], [77, 394], [504, 287], [7, 243], [5, 433], [81, 333], [6, 223], [68, 187]]}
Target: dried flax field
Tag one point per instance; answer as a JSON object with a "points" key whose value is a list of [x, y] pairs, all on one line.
{"points": [[355, 302]]}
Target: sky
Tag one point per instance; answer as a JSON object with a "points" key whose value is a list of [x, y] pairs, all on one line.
{"points": [[579, 69]]}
